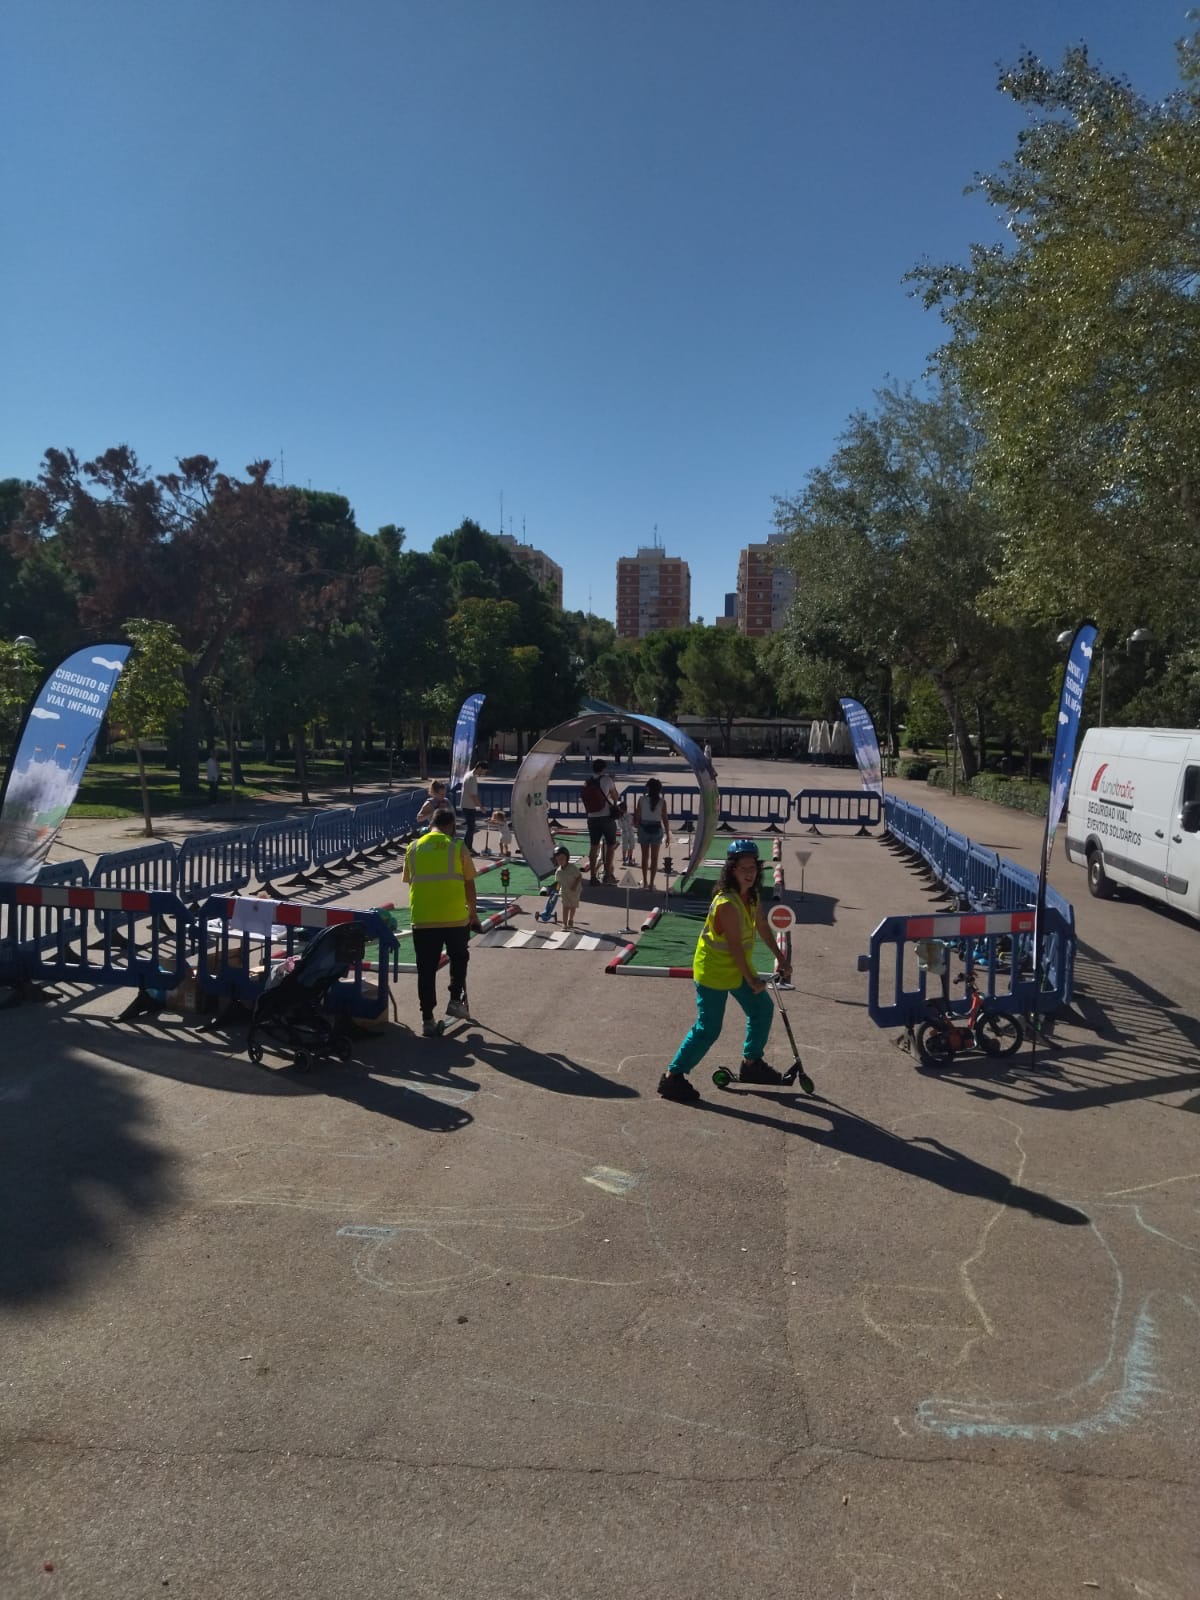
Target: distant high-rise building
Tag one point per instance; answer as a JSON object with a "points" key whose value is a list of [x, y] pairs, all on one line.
{"points": [[765, 587], [539, 566], [654, 591]]}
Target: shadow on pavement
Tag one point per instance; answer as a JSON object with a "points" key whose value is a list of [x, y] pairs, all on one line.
{"points": [[543, 1070], [77, 1163], [1143, 1046], [927, 1159], [218, 1061]]}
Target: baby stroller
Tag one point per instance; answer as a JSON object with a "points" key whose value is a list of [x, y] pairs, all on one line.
{"points": [[288, 1010]]}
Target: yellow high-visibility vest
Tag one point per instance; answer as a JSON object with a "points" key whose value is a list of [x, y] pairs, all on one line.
{"points": [[713, 965], [437, 891]]}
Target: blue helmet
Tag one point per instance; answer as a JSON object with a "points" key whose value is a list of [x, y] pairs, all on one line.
{"points": [[742, 847]]}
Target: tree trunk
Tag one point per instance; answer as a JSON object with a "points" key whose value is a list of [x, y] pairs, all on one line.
{"points": [[148, 830], [968, 760], [301, 766], [189, 734]]}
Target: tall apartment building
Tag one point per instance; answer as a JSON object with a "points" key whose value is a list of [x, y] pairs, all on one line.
{"points": [[654, 590], [539, 566], [765, 587]]}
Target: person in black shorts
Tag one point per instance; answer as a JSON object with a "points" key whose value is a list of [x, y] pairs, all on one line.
{"points": [[600, 800]]}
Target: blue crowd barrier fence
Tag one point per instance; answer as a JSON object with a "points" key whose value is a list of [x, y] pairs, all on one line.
{"points": [[240, 942], [214, 863], [41, 936], [771, 807], [280, 849], [681, 801], [147, 866], [402, 814], [1016, 887], [897, 979], [956, 860], [331, 841], [838, 808], [495, 797], [982, 866], [371, 835]]}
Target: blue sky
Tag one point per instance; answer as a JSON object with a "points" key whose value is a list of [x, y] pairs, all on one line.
{"points": [[625, 265]]}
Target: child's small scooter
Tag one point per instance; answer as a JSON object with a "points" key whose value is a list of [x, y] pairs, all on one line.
{"points": [[796, 1074], [550, 909]]}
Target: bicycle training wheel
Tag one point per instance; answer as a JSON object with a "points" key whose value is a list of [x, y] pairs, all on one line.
{"points": [[933, 1047], [998, 1034]]}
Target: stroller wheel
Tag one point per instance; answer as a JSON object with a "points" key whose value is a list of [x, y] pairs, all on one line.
{"points": [[302, 1060], [255, 1052], [342, 1048]]}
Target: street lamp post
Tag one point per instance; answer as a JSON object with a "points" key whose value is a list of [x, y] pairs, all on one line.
{"points": [[1138, 636]]}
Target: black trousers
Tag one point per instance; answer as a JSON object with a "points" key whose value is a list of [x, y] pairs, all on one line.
{"points": [[470, 818], [428, 944]]}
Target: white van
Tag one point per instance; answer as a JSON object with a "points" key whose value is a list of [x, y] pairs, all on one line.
{"points": [[1133, 816]]}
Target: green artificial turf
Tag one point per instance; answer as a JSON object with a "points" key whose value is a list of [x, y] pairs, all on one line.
{"points": [[671, 942]]}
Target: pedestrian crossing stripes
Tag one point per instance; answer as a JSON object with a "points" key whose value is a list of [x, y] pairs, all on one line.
{"points": [[536, 939]]}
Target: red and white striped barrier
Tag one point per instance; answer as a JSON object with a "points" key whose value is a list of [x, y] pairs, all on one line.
{"points": [[652, 919], [32, 894], [968, 925], [288, 913]]}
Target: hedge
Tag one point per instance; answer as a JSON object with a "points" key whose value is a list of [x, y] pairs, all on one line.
{"points": [[1012, 792]]}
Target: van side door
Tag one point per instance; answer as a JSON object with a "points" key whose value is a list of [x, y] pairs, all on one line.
{"points": [[1183, 844]]}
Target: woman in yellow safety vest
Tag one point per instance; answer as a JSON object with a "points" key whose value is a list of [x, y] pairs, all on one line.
{"points": [[722, 967], [441, 898]]}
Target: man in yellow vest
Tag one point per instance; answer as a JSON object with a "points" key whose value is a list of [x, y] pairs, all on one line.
{"points": [[441, 896]]}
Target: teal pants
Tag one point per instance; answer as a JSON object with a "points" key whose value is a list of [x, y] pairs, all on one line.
{"points": [[710, 1014]]}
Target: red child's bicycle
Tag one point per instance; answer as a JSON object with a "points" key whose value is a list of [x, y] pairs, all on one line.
{"points": [[949, 1033]]}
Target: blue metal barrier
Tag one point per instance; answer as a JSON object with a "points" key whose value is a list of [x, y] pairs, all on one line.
{"points": [[838, 808], [982, 866], [280, 848], [332, 840], [40, 928], [896, 987], [495, 797], [235, 957], [214, 863], [679, 799], [402, 815], [371, 834], [956, 857], [740, 806], [565, 800], [147, 866], [1016, 887]]}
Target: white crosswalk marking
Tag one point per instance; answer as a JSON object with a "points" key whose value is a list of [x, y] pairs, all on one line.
{"points": [[534, 939]]}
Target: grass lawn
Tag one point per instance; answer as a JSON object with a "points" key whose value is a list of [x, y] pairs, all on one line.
{"points": [[111, 789]]}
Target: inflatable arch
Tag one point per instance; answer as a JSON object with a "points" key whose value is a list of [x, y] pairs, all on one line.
{"points": [[531, 814]]}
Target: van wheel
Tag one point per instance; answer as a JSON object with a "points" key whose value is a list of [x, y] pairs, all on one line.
{"points": [[1099, 882]]}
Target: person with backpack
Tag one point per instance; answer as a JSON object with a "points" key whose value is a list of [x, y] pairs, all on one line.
{"points": [[601, 803], [722, 967], [653, 829]]}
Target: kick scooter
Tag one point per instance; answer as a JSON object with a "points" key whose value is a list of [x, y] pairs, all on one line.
{"points": [[796, 1074]]}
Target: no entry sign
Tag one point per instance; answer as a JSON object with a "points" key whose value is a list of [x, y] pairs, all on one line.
{"points": [[781, 918]]}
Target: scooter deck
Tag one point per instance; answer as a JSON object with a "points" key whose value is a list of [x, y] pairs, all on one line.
{"points": [[794, 1076]]}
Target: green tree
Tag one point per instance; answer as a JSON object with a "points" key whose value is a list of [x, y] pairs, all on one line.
{"points": [[719, 677], [20, 674], [657, 684], [893, 546], [149, 692], [1078, 344]]}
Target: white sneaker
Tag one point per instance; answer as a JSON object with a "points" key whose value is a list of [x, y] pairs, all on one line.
{"points": [[457, 1008]]}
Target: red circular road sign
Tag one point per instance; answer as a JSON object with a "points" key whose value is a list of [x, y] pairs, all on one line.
{"points": [[781, 918]]}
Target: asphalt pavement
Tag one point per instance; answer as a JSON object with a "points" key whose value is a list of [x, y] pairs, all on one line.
{"points": [[483, 1316]]}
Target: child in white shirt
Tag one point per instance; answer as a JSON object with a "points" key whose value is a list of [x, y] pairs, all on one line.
{"points": [[628, 835], [500, 820], [569, 881]]}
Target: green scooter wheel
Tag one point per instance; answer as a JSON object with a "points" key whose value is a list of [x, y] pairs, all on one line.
{"points": [[721, 1078]]}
